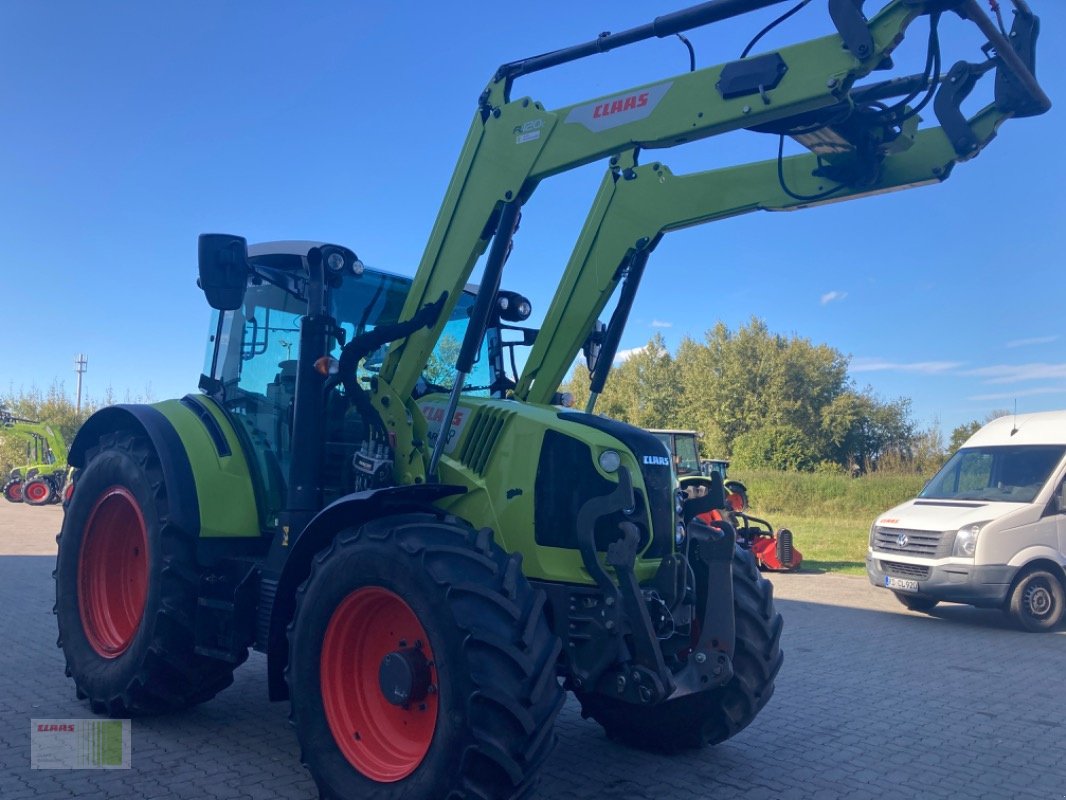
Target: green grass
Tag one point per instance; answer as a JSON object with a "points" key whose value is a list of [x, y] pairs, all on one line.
{"points": [[829, 515]]}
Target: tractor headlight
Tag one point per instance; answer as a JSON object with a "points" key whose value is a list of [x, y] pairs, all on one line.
{"points": [[335, 262], [610, 460], [679, 534], [966, 541]]}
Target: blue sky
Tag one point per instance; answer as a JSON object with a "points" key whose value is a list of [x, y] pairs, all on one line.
{"points": [[130, 128]]}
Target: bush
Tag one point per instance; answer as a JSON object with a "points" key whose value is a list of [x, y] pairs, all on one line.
{"points": [[778, 447]]}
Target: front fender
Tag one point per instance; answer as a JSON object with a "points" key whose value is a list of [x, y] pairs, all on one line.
{"points": [[342, 514], [1037, 553]]}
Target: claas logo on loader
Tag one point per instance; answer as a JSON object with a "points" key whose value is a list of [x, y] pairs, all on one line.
{"points": [[656, 461], [617, 106]]}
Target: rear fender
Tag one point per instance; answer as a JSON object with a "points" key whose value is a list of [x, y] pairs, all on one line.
{"points": [[343, 514], [184, 506]]}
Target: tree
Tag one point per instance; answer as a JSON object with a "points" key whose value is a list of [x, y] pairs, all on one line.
{"points": [[963, 432], [642, 390], [440, 367], [750, 392]]}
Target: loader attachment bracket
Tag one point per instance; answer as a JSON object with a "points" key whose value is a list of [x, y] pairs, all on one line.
{"points": [[852, 25], [948, 106]]}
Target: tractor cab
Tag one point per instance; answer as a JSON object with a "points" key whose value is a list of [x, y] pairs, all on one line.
{"points": [[253, 359], [683, 450]]}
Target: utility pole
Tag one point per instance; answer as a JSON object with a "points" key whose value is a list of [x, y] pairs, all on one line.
{"points": [[81, 363]]}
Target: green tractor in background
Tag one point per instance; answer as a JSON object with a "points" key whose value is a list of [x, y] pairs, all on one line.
{"points": [[43, 478], [774, 549], [429, 553]]}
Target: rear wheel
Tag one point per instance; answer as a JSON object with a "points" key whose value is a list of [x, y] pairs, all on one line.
{"points": [[916, 602], [1037, 601], [13, 490], [126, 589], [708, 717], [421, 665], [38, 491]]}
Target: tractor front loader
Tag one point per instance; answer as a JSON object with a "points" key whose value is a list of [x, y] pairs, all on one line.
{"points": [[420, 558], [43, 478]]}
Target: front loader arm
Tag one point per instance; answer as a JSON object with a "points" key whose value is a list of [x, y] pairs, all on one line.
{"points": [[513, 145], [635, 206]]}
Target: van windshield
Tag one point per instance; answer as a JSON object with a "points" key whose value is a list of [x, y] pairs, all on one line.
{"points": [[1012, 474]]}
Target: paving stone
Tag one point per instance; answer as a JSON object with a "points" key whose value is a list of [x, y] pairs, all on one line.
{"points": [[873, 701]]}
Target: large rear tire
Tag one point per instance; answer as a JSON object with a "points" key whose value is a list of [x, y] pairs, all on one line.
{"points": [[126, 589], [13, 490], [430, 613], [710, 717]]}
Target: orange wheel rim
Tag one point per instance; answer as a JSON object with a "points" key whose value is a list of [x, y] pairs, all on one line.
{"points": [[113, 572], [385, 742]]}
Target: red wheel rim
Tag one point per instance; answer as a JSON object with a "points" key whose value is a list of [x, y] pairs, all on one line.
{"points": [[113, 572], [14, 492], [35, 491], [384, 742]]}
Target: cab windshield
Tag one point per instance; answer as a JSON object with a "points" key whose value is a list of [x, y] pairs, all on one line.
{"points": [[1011, 474]]}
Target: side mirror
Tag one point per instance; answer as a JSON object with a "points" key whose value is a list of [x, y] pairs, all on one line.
{"points": [[593, 345], [223, 263]]}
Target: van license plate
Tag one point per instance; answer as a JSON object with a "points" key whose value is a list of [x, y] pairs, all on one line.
{"points": [[901, 584]]}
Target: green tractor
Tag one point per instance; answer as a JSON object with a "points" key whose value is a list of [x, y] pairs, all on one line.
{"points": [[42, 479], [427, 551]]}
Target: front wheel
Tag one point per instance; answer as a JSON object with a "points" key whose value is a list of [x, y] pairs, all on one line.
{"points": [[1037, 601], [421, 664], [712, 716]]}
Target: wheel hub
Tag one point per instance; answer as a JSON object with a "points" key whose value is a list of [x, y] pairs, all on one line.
{"points": [[404, 676], [1038, 599]]}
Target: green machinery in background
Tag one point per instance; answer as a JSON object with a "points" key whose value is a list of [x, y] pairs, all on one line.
{"points": [[423, 548], [42, 478]]}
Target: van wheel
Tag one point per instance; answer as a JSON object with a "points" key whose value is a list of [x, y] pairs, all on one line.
{"points": [[1037, 601], [916, 602]]}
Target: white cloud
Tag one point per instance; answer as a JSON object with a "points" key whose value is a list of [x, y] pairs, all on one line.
{"points": [[1009, 373], [922, 367], [1023, 393], [622, 355], [829, 297], [1034, 340], [658, 323]]}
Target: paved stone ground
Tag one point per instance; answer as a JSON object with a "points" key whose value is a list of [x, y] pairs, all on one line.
{"points": [[873, 702]]}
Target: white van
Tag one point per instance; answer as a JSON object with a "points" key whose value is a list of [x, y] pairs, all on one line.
{"points": [[989, 529]]}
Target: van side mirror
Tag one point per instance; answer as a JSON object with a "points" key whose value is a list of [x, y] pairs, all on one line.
{"points": [[223, 264], [593, 345]]}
